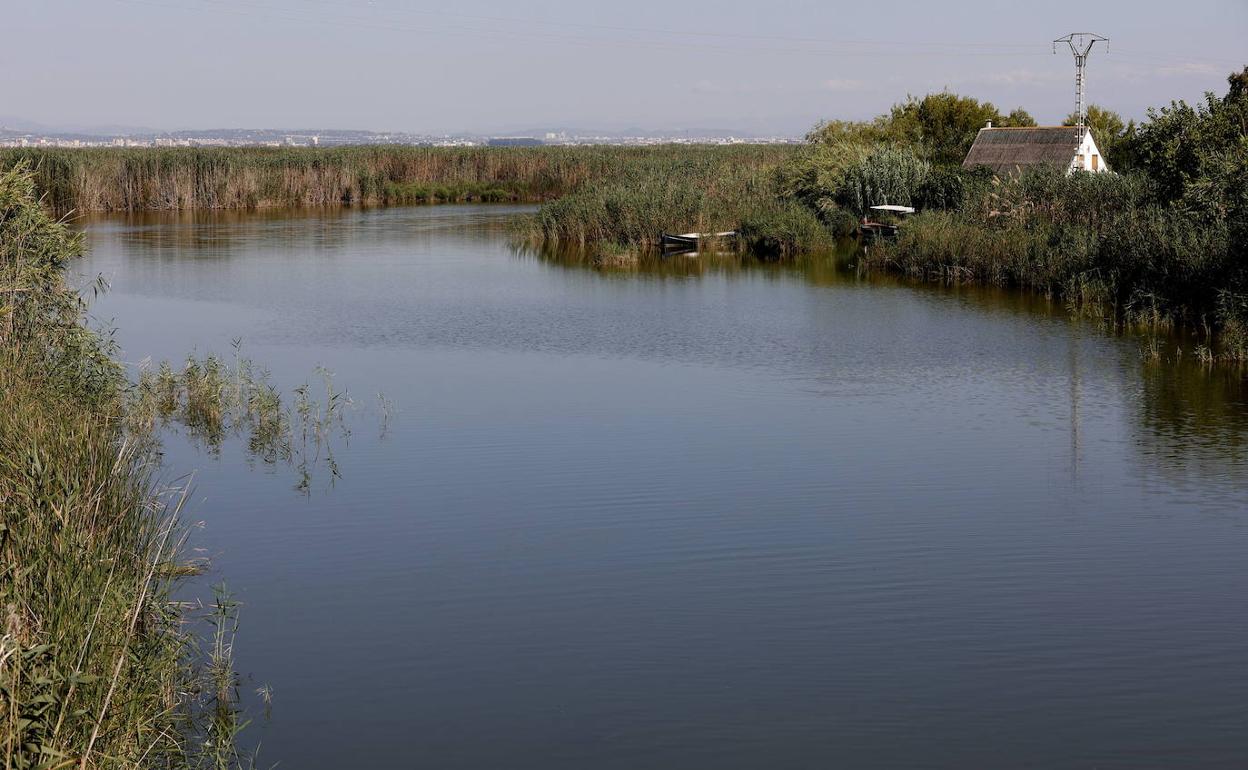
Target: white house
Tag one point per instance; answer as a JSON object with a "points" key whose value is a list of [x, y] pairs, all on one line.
{"points": [[1011, 150]]}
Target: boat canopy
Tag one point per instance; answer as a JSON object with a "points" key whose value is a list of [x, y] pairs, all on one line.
{"points": [[891, 207]]}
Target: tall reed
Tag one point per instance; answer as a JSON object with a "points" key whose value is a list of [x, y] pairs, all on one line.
{"points": [[704, 191], [1099, 242], [130, 179], [94, 669]]}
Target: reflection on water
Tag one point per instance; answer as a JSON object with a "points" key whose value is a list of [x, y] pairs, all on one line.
{"points": [[1184, 406], [1193, 423], [703, 512], [228, 233]]}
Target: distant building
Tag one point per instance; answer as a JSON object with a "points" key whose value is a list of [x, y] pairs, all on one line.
{"points": [[1010, 150], [516, 141]]}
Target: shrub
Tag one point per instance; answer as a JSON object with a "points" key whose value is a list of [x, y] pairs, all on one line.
{"points": [[783, 228], [886, 175]]}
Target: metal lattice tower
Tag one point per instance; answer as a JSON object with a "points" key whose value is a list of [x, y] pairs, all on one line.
{"points": [[1080, 45]]}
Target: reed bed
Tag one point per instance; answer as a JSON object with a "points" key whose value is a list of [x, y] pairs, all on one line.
{"points": [[595, 195], [1099, 242], [213, 400], [132, 179], [97, 668], [705, 190]]}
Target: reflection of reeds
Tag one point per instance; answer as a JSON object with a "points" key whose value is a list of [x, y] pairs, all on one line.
{"points": [[214, 401]]}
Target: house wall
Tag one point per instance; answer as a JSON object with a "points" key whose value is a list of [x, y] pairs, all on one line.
{"points": [[1083, 160]]}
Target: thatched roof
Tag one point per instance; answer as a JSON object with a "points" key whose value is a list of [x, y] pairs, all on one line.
{"points": [[1004, 150]]}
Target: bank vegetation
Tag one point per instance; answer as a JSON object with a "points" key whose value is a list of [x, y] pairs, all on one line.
{"points": [[1161, 242], [99, 667], [189, 178]]}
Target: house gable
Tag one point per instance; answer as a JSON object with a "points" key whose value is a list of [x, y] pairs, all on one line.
{"points": [[1010, 150], [1089, 157]]}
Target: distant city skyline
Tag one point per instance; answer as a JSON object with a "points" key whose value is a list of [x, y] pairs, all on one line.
{"points": [[507, 68], [38, 136], [12, 127]]}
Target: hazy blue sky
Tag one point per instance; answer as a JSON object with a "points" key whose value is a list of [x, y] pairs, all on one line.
{"points": [[491, 65]]}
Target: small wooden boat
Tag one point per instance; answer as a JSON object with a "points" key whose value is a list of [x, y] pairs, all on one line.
{"points": [[691, 241], [888, 224]]}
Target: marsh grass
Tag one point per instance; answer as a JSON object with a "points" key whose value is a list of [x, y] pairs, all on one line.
{"points": [[214, 401], [1097, 243], [703, 190], [223, 718], [594, 196], [400, 193], [96, 664], [134, 179], [97, 667]]}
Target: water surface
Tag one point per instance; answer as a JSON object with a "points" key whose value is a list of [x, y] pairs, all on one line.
{"points": [[708, 515]]}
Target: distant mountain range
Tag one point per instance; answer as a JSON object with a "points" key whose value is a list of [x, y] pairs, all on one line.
{"points": [[14, 124]]}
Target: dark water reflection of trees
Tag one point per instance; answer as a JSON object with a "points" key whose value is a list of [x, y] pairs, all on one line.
{"points": [[1192, 422]]}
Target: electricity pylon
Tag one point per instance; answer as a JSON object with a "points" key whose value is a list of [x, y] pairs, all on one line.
{"points": [[1080, 45]]}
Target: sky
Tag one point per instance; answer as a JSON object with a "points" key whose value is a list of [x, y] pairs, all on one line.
{"points": [[499, 66]]}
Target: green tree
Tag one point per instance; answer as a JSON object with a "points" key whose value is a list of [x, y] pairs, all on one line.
{"points": [[848, 132], [940, 126], [813, 175], [1109, 131], [944, 124], [1198, 156], [1019, 118]]}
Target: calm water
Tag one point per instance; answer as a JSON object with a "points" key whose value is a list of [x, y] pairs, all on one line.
{"points": [[701, 517]]}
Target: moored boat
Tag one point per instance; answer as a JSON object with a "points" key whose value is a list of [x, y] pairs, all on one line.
{"points": [[691, 241], [887, 223]]}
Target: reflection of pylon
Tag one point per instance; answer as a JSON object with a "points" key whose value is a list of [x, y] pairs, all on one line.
{"points": [[1080, 45]]}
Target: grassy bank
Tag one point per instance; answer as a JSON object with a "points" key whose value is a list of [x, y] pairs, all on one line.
{"points": [[121, 179], [95, 660], [1162, 243], [596, 196], [690, 190], [1101, 243]]}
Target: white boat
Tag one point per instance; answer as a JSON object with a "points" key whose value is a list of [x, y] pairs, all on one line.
{"points": [[890, 214]]}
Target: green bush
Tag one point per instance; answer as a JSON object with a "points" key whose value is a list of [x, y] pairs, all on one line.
{"points": [[782, 229], [886, 175], [1096, 240]]}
